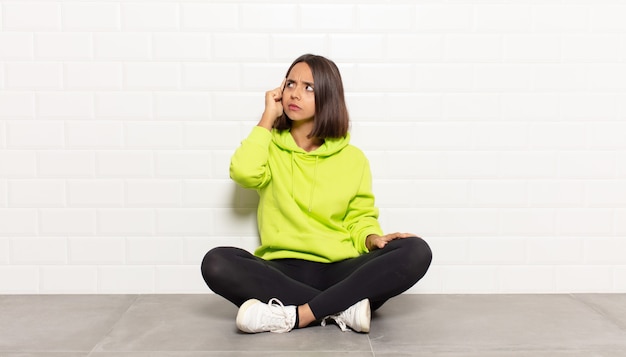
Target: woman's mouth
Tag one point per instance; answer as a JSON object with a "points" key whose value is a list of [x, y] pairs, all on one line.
{"points": [[293, 107]]}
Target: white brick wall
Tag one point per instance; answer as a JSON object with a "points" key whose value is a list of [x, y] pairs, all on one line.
{"points": [[495, 130]]}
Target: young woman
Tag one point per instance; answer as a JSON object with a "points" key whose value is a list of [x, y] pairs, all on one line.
{"points": [[322, 253]]}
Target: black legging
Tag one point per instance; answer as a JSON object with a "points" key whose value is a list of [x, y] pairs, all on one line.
{"points": [[328, 288]]}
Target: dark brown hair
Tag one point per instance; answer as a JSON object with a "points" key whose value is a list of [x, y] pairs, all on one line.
{"points": [[331, 112]]}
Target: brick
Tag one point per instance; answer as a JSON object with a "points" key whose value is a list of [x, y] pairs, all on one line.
{"points": [[153, 193], [35, 134], [526, 279], [555, 250], [18, 164], [4, 200], [91, 16], [557, 135], [494, 193], [225, 224], [447, 77], [17, 105], [95, 193], [44, 250], [530, 106], [250, 106], [20, 279], [183, 163], [153, 135], [210, 16], [386, 17], [470, 279], [591, 48], [37, 193], [152, 76], [607, 77], [241, 47], [153, 250], [606, 135], [556, 193], [448, 17], [189, 222], [528, 164], [16, 46], [94, 134], [181, 105], [211, 135], [605, 193], [584, 279], [67, 222], [63, 46], [469, 222], [93, 75], [124, 105], [424, 164], [128, 163], [96, 250], [497, 250], [327, 17], [503, 136], [538, 48], [262, 77], [605, 251], [374, 107], [502, 18], [32, 16], [179, 279], [123, 46], [439, 193], [289, 47], [608, 18], [588, 106], [452, 135], [584, 222], [570, 18], [261, 17], [126, 279], [527, 222], [65, 105], [149, 16], [502, 78], [66, 164], [384, 77], [378, 136], [470, 164], [349, 47], [421, 222], [586, 164], [471, 106], [409, 47], [69, 280], [126, 222], [33, 75], [559, 77], [181, 46], [619, 279], [211, 76], [619, 218], [473, 48]]}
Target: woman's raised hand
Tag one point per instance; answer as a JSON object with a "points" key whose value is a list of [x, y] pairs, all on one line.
{"points": [[273, 106]]}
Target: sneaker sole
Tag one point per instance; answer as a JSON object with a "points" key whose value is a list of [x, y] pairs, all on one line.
{"points": [[241, 313], [365, 325]]}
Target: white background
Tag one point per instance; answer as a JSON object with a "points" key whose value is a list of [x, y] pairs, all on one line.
{"points": [[496, 130]]}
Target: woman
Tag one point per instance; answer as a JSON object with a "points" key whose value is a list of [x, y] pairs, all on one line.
{"points": [[322, 253]]}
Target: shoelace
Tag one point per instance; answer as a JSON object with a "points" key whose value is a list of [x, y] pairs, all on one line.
{"points": [[280, 320], [342, 324]]}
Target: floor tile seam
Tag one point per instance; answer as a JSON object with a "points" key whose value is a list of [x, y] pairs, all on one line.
{"points": [[115, 324], [600, 312], [479, 349]]}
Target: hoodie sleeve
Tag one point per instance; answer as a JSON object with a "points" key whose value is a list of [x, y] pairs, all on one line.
{"points": [[362, 217], [248, 165]]}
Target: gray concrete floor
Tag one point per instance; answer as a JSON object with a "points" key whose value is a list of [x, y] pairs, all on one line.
{"points": [[408, 325]]}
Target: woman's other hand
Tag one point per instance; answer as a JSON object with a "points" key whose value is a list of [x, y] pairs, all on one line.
{"points": [[374, 241]]}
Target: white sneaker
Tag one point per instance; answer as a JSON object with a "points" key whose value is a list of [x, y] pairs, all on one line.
{"points": [[357, 317], [255, 316]]}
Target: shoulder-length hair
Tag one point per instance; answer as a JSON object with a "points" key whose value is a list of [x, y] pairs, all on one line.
{"points": [[331, 112]]}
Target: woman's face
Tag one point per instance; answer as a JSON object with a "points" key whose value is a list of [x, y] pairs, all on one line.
{"points": [[298, 96]]}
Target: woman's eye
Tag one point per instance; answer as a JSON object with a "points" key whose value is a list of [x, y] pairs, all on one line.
{"points": [[309, 88], [289, 85]]}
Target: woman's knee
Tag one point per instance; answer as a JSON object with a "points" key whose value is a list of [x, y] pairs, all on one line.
{"points": [[416, 251], [215, 263]]}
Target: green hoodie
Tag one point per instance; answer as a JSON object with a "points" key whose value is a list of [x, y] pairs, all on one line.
{"points": [[316, 205]]}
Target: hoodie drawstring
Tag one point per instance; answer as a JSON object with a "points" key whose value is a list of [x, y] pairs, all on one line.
{"points": [[313, 185]]}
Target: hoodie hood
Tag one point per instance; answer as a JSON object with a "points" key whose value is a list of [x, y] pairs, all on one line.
{"points": [[285, 141]]}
